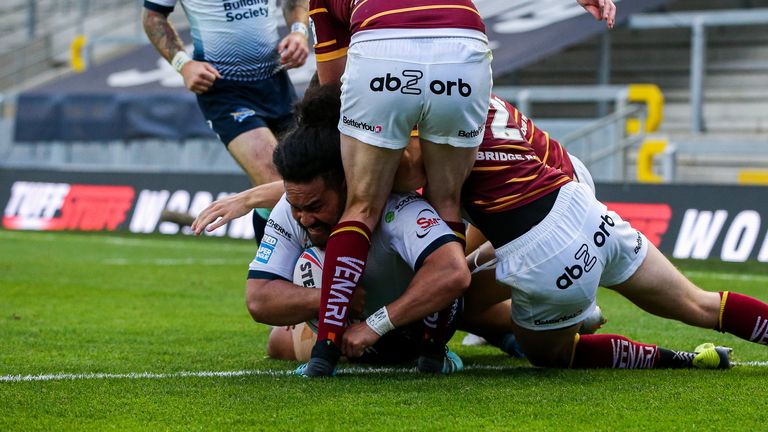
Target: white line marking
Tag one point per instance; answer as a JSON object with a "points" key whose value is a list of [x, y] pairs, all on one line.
{"points": [[751, 363], [264, 372], [170, 242], [728, 276], [171, 261]]}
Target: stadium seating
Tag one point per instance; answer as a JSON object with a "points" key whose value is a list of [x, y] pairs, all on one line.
{"points": [[735, 97]]}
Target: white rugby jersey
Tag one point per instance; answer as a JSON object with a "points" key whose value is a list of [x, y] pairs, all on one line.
{"points": [[238, 37], [409, 230]]}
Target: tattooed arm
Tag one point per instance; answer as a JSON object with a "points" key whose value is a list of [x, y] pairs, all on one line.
{"points": [[294, 48], [198, 76], [162, 34]]}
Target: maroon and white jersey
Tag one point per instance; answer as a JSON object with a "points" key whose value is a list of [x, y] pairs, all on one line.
{"points": [[513, 164], [336, 21]]}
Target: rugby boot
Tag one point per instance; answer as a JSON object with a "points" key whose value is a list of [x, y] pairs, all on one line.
{"points": [[709, 356], [322, 363], [448, 363], [510, 346]]}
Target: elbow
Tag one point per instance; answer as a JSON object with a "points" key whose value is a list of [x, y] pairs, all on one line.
{"points": [[460, 279], [256, 305], [455, 283]]}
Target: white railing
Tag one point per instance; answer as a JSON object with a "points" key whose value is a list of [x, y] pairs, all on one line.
{"points": [[698, 23]]}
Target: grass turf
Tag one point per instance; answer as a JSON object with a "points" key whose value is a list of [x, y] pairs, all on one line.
{"points": [[119, 304]]}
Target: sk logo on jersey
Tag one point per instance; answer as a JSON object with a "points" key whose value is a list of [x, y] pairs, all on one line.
{"points": [[426, 219]]}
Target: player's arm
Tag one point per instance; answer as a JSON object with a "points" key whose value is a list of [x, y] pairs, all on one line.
{"points": [[331, 42], [234, 206], [330, 71], [279, 302], [294, 48], [440, 280], [198, 76], [436, 284], [441, 274]]}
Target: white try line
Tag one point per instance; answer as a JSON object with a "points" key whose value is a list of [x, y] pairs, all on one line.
{"points": [[265, 372], [225, 374]]}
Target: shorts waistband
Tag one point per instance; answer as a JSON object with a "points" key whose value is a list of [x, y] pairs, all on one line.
{"points": [[564, 206], [380, 34]]}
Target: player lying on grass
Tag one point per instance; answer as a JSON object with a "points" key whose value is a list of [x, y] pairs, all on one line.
{"points": [[360, 336], [420, 265], [555, 243]]}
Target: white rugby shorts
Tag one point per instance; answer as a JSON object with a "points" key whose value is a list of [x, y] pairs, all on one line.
{"points": [[582, 173], [555, 268], [441, 84]]}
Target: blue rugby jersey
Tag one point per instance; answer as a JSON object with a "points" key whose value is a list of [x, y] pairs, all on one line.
{"points": [[238, 37]]}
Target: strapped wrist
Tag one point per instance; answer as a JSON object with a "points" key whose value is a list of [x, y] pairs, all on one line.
{"points": [[179, 60], [300, 27], [379, 322]]}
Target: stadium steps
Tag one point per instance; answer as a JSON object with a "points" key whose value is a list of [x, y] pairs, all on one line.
{"points": [[735, 89], [26, 61]]}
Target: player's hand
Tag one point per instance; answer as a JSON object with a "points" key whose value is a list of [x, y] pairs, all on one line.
{"points": [[602, 10], [357, 338], [293, 50], [220, 212], [199, 76]]}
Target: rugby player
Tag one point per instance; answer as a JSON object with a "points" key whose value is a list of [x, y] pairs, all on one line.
{"points": [[419, 264], [238, 72], [420, 62], [626, 353], [555, 243]]}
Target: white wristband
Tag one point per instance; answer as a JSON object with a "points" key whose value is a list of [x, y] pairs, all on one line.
{"points": [[179, 60], [379, 322], [301, 28]]}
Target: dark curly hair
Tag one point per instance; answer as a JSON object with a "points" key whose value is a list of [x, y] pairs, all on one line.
{"points": [[312, 149]]}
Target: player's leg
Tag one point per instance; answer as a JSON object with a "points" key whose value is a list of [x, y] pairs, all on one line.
{"points": [[659, 288], [375, 127], [447, 167], [243, 115], [369, 173], [487, 309], [252, 150], [554, 271], [456, 93], [487, 305], [280, 344], [565, 348]]}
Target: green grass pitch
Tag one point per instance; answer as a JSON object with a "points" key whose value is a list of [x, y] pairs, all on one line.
{"points": [[106, 308]]}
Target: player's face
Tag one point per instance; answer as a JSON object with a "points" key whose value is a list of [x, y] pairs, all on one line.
{"points": [[316, 207]]}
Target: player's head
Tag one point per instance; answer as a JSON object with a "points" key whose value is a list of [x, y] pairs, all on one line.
{"points": [[309, 160]]}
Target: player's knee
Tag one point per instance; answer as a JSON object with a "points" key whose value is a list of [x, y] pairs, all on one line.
{"points": [[280, 344]]}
